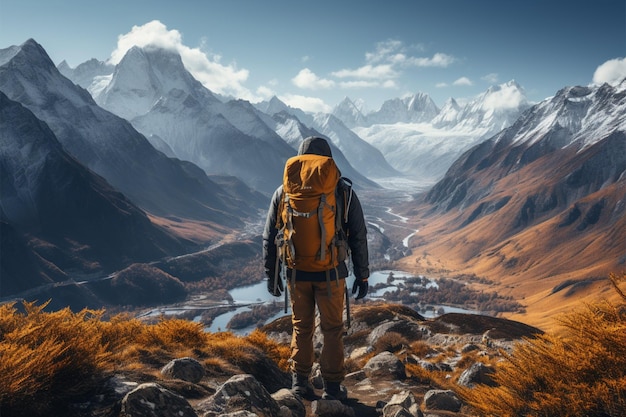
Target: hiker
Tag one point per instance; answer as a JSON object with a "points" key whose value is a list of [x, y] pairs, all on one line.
{"points": [[309, 286]]}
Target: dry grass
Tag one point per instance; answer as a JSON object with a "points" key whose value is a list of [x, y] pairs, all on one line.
{"points": [[390, 342], [581, 372], [48, 359]]}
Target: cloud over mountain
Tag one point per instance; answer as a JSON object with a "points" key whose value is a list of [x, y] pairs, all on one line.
{"points": [[207, 68]]}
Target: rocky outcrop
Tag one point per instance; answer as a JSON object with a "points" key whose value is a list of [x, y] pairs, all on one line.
{"points": [[382, 382]]}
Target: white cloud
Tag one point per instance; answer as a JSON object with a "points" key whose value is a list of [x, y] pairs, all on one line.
{"points": [[151, 34], [463, 81], [438, 60], [612, 71], [384, 71], [359, 84], [308, 104], [308, 80], [441, 85], [491, 78], [221, 79], [265, 93], [507, 97], [386, 62], [383, 50], [393, 52]]}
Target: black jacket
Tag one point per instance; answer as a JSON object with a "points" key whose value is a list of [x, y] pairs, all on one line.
{"points": [[354, 228]]}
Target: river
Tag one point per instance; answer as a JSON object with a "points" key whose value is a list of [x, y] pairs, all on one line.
{"points": [[255, 294]]}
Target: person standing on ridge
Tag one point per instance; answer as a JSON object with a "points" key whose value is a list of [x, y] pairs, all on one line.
{"points": [[307, 247]]}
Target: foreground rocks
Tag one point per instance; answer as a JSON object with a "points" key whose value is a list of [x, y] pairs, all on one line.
{"points": [[389, 350]]}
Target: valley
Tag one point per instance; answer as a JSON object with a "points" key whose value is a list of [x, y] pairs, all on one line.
{"points": [[243, 308]]}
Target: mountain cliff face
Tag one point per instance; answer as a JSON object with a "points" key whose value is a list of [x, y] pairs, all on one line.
{"points": [[109, 145], [541, 201], [57, 215]]}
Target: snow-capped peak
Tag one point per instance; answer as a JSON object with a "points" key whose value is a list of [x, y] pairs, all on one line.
{"points": [[580, 115], [349, 112], [143, 77]]}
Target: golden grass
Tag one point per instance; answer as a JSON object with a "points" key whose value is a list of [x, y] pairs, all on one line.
{"points": [[523, 263], [581, 372], [49, 358]]}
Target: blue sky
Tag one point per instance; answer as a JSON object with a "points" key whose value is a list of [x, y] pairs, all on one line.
{"points": [[313, 54]]}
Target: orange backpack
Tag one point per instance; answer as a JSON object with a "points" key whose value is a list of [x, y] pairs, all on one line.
{"points": [[307, 220]]}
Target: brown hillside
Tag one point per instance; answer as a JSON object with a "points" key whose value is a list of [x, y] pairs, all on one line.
{"points": [[536, 238]]}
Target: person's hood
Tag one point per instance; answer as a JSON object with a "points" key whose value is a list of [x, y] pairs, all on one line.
{"points": [[315, 146]]}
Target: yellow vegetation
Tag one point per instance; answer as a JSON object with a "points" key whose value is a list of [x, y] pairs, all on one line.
{"points": [[49, 358], [579, 372]]}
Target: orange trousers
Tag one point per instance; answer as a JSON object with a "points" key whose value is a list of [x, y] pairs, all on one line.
{"points": [[305, 296]]}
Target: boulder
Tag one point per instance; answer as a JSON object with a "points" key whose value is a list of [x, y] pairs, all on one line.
{"points": [[469, 347], [331, 408], [442, 400], [285, 398], [437, 367], [240, 393], [187, 369], [402, 404], [385, 365], [478, 373], [152, 400], [411, 331]]}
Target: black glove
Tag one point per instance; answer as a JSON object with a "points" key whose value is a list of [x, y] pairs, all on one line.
{"points": [[275, 290], [362, 286]]}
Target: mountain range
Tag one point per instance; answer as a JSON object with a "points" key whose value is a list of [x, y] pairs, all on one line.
{"points": [[152, 89], [421, 140], [142, 158], [539, 207], [110, 149]]}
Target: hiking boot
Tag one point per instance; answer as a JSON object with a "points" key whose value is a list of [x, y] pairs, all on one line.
{"points": [[334, 391], [300, 385]]}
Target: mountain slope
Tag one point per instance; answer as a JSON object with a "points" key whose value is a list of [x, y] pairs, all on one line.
{"points": [[540, 206], [293, 131], [109, 145], [365, 157], [355, 157], [57, 215], [151, 88]]}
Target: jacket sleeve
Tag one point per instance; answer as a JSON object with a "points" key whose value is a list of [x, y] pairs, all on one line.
{"points": [[269, 234], [357, 238]]}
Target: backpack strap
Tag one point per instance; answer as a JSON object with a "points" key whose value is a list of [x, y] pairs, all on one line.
{"points": [[348, 200], [320, 218]]}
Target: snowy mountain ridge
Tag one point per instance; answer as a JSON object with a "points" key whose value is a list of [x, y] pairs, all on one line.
{"points": [[184, 119], [582, 114], [402, 123]]}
